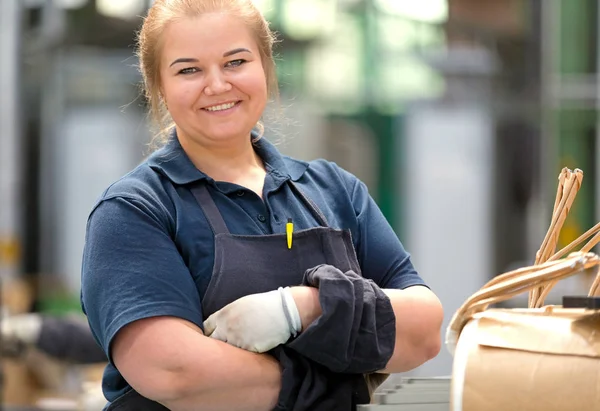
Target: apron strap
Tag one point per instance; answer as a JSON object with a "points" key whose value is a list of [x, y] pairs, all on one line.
{"points": [[310, 204], [211, 212], [215, 219]]}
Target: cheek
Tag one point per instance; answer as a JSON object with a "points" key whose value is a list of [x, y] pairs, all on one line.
{"points": [[182, 92], [253, 83]]}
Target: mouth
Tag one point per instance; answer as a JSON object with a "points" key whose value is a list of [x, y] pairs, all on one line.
{"points": [[220, 108]]}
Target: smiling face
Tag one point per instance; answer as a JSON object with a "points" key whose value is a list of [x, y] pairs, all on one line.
{"points": [[212, 79]]}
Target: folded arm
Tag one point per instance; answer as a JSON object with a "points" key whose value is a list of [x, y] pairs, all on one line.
{"points": [[170, 361], [145, 310], [419, 317], [383, 259]]}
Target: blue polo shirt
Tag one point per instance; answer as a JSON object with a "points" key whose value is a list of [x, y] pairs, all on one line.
{"points": [[149, 250]]}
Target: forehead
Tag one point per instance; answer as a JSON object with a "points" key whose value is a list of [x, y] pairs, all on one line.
{"points": [[209, 35]]}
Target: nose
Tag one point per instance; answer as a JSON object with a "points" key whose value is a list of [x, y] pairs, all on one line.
{"points": [[216, 84]]}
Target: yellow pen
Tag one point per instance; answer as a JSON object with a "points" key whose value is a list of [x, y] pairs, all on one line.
{"points": [[289, 229]]}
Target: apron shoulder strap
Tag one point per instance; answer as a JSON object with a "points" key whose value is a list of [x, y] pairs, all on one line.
{"points": [[215, 219], [310, 204], [209, 208]]}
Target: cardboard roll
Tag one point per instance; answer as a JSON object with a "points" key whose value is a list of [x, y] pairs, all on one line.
{"points": [[541, 358], [544, 359]]}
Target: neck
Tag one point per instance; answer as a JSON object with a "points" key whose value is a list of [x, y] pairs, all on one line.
{"points": [[225, 162]]}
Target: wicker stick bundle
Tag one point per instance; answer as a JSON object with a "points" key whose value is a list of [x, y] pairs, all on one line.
{"points": [[550, 265]]}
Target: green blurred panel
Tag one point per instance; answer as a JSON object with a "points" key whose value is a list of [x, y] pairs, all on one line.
{"points": [[59, 304], [577, 150], [575, 127], [383, 127], [291, 69], [576, 44]]}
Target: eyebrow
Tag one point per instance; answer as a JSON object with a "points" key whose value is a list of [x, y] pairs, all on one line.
{"points": [[184, 60], [236, 51], [226, 54]]}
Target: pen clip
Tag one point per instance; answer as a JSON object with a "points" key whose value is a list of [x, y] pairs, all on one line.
{"points": [[289, 229]]}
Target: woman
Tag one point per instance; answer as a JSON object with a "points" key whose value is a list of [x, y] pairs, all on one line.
{"points": [[187, 266]]}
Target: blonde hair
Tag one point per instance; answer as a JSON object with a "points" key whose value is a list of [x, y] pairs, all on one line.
{"points": [[149, 47]]}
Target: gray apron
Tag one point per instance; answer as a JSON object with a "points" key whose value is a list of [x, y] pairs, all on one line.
{"points": [[250, 264]]}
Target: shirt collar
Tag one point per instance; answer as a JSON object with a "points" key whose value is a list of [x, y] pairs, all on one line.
{"points": [[173, 162]]}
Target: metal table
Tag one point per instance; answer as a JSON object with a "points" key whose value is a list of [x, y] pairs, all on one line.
{"points": [[412, 394]]}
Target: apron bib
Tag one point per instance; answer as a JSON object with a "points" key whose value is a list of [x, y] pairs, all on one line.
{"points": [[251, 264]]}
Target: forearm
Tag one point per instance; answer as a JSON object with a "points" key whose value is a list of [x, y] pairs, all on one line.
{"points": [[170, 361], [239, 380], [258, 398], [419, 317], [307, 302]]}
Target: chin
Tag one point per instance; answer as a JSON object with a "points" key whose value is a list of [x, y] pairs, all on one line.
{"points": [[224, 135]]}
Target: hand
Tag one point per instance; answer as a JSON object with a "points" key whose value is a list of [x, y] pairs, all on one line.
{"points": [[18, 332], [24, 328], [256, 322]]}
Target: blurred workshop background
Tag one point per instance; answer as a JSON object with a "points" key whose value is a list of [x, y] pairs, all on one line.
{"points": [[458, 114]]}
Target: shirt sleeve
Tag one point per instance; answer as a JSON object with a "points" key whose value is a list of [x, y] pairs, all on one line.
{"points": [[381, 255], [132, 270]]}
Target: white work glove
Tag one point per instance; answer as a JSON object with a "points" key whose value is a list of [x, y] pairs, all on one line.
{"points": [[256, 322], [24, 328]]}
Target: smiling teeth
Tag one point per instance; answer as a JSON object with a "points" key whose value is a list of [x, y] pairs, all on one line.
{"points": [[221, 107]]}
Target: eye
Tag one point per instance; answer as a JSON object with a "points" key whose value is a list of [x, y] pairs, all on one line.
{"points": [[188, 70], [235, 63]]}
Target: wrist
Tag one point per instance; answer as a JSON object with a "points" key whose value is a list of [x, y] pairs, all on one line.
{"points": [[290, 310], [307, 301]]}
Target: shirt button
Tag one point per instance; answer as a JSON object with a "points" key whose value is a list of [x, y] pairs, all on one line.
{"points": [[261, 218], [240, 193]]}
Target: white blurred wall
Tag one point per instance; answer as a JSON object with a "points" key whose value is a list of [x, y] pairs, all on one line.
{"points": [[448, 205]]}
